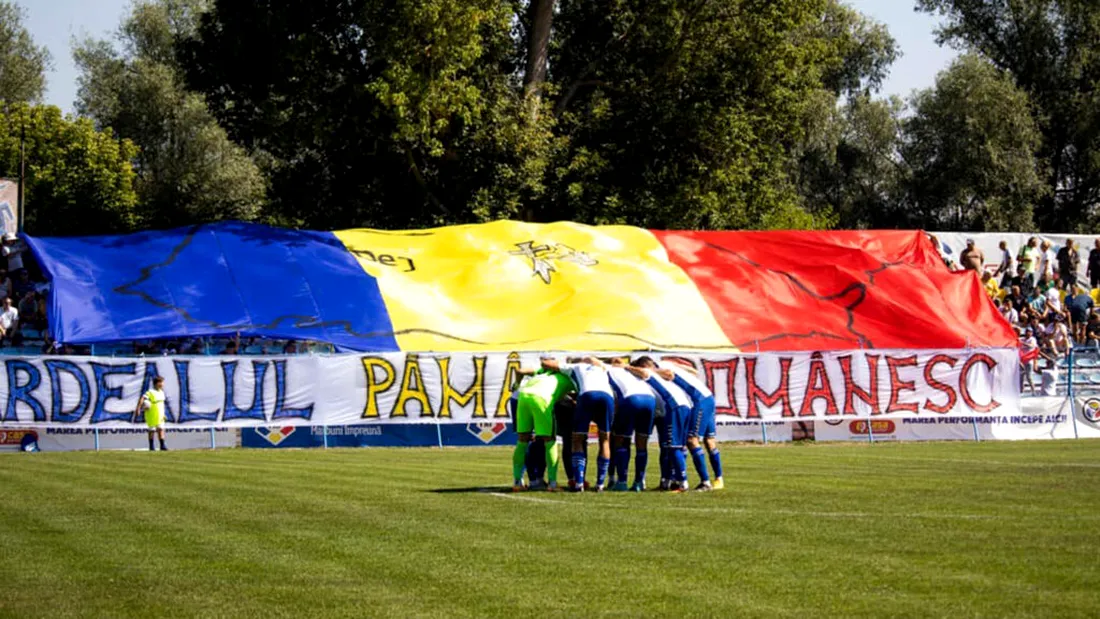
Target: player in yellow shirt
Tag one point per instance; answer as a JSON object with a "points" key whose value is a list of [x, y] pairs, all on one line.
{"points": [[152, 403]]}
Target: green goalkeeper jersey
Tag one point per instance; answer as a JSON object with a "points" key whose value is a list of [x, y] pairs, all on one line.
{"points": [[547, 386]]}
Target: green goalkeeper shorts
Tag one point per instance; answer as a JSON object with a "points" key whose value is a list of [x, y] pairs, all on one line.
{"points": [[534, 414]]}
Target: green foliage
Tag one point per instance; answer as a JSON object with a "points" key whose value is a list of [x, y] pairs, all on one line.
{"points": [[662, 113], [1050, 49], [848, 164], [971, 144], [676, 112], [79, 180], [23, 64], [373, 113], [188, 169]]}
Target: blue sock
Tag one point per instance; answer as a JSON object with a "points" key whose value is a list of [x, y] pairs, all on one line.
{"points": [[716, 462], [699, 459], [641, 460], [580, 461], [679, 465], [602, 464], [622, 463], [535, 460], [666, 465]]}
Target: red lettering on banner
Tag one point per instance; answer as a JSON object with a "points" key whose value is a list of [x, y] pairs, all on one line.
{"points": [[893, 364], [869, 396], [679, 360], [990, 363], [818, 386], [781, 393], [730, 366], [942, 409]]}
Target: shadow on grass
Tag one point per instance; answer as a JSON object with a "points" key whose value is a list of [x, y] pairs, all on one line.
{"points": [[471, 490]]}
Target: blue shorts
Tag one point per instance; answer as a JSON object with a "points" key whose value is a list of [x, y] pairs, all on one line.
{"points": [[702, 421], [677, 422], [635, 414], [594, 406]]}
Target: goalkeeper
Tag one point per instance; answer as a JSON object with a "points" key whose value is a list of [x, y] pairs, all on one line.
{"points": [[152, 402], [538, 392]]}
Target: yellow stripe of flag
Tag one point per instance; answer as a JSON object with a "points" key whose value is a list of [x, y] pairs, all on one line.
{"points": [[517, 286]]}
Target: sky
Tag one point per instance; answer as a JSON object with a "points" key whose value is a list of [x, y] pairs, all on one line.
{"points": [[54, 23]]}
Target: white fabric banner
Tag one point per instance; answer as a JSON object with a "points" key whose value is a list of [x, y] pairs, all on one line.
{"points": [[1038, 418], [952, 245], [464, 388]]}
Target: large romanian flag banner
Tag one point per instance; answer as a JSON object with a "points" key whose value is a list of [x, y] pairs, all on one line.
{"points": [[509, 286]]}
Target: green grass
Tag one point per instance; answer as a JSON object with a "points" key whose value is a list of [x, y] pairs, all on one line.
{"points": [[991, 529]]}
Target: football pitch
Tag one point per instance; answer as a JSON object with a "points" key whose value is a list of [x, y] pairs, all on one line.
{"points": [[993, 529]]}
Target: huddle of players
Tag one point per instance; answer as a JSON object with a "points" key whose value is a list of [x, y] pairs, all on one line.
{"points": [[624, 401]]}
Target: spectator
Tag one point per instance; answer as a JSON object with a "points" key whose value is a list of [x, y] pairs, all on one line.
{"points": [[6, 287], [1044, 283], [990, 285], [972, 258], [939, 250], [9, 322], [1092, 329], [1069, 259], [1029, 357], [1004, 269], [23, 284], [1094, 265], [1060, 339], [1016, 299], [1010, 313], [1079, 306], [28, 311], [1023, 280], [43, 308], [291, 348], [1054, 301], [13, 249], [231, 348], [1037, 303], [1047, 260], [1029, 257]]}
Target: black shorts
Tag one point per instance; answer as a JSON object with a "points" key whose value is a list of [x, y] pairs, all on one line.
{"points": [[563, 416]]}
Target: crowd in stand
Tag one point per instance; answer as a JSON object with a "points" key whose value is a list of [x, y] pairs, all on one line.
{"points": [[23, 294], [1038, 291]]}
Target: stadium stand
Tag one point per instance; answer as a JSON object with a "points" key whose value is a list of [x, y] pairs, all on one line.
{"points": [[1058, 328]]}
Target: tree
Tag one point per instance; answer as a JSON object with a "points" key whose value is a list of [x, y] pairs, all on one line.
{"points": [[387, 114], [1049, 47], [188, 169], [669, 113], [79, 180], [844, 161], [677, 112], [971, 144], [849, 163], [23, 64]]}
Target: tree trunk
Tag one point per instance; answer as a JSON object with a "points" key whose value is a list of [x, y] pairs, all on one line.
{"points": [[541, 18], [541, 13]]}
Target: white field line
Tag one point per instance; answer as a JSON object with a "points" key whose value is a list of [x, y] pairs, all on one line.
{"points": [[782, 512], [1035, 465]]}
